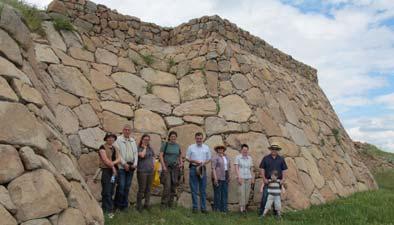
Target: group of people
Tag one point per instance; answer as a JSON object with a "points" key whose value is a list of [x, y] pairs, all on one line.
{"points": [[121, 156]]}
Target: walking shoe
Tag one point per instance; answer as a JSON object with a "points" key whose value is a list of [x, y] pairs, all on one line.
{"points": [[110, 215]]}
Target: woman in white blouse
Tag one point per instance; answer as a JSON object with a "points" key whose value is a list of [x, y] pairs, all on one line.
{"points": [[245, 176]]}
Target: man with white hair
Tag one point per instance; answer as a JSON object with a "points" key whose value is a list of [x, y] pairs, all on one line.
{"points": [[128, 163]]}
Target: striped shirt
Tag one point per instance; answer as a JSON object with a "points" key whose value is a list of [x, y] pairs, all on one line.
{"points": [[274, 187]]}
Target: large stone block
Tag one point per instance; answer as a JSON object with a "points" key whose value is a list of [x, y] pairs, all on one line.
{"points": [[36, 195], [19, 126], [234, 108]]}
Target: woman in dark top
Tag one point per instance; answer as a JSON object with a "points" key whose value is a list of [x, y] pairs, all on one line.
{"points": [[145, 170], [171, 162], [109, 158]]}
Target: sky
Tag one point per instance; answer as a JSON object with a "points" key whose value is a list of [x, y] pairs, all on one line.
{"points": [[349, 42]]}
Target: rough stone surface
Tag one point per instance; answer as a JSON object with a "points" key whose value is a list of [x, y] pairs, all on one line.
{"points": [[11, 22], [118, 108], [47, 200], [53, 36], [6, 201], [86, 115], [199, 107], [67, 119], [9, 70], [17, 125], [29, 158], [155, 104], [80, 199], [91, 137], [6, 218], [37, 222], [113, 123], [100, 81], [131, 82], [6, 92], [234, 108], [106, 57], [28, 93], [192, 87], [10, 48], [216, 125], [45, 54], [71, 79], [167, 94], [156, 77], [71, 216], [147, 121]]}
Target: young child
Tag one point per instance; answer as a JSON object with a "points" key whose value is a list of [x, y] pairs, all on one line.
{"points": [[275, 188]]}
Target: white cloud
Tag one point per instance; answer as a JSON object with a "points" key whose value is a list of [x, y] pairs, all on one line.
{"points": [[345, 47], [386, 100], [376, 130]]}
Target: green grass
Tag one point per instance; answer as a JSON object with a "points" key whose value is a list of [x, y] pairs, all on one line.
{"points": [[373, 207], [61, 23], [29, 12], [148, 59]]}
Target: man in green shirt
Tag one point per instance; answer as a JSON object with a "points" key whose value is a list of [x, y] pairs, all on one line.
{"points": [[171, 162]]}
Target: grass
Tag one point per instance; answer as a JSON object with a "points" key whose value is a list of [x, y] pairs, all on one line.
{"points": [[171, 62], [30, 14], [149, 88], [148, 59], [61, 23], [336, 134], [373, 207]]}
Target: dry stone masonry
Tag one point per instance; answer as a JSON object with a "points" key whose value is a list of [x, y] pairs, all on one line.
{"points": [[61, 92]]}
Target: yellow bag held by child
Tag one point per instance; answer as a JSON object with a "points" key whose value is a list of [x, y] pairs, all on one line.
{"points": [[156, 174]]}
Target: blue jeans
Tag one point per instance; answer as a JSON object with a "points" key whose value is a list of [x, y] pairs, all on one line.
{"points": [[220, 194], [123, 188], [107, 190], [198, 184]]}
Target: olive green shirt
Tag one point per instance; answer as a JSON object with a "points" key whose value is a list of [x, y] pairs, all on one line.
{"points": [[171, 154]]}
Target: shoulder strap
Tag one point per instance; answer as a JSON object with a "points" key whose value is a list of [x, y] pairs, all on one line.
{"points": [[165, 147]]}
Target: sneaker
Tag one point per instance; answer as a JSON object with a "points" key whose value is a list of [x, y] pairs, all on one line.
{"points": [[110, 215], [194, 211]]}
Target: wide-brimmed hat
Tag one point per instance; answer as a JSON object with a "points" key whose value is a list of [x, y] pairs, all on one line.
{"points": [[108, 135], [275, 146], [217, 147]]}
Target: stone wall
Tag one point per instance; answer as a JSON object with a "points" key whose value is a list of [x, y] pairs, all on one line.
{"points": [[40, 182], [60, 94], [98, 19]]}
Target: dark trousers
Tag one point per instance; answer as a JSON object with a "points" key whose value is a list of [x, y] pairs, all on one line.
{"points": [[123, 188], [263, 202], [170, 184], [107, 190], [198, 184], [144, 185], [220, 196]]}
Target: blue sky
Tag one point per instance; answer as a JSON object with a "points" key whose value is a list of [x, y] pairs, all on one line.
{"points": [[350, 42]]}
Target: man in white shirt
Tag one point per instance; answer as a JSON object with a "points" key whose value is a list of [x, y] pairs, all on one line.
{"points": [[128, 162], [198, 155]]}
